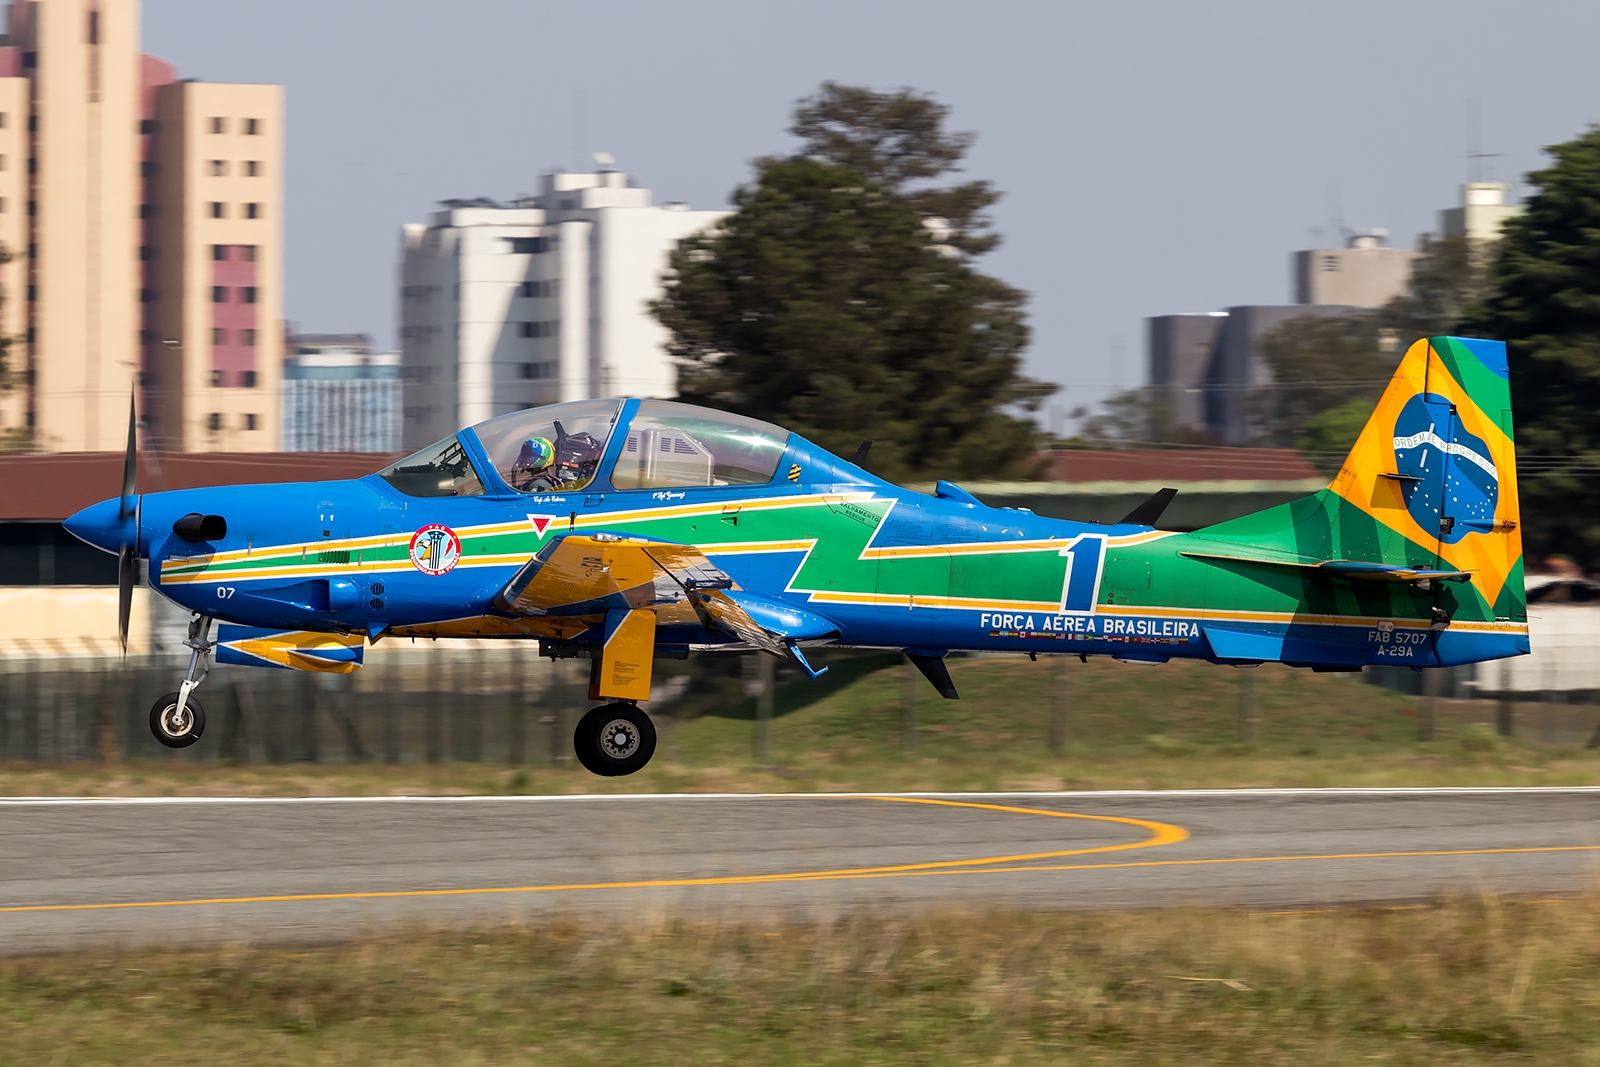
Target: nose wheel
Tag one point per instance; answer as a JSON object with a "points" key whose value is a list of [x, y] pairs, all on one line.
{"points": [[614, 740], [177, 719], [175, 725]]}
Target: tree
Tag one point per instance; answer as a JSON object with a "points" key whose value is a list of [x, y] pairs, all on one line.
{"points": [[1324, 368], [1448, 276], [897, 140], [827, 304], [1545, 304]]}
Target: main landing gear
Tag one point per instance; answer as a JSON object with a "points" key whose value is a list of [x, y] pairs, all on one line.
{"points": [[614, 740], [177, 719]]}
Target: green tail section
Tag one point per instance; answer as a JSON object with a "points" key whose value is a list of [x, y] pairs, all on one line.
{"points": [[1430, 486]]}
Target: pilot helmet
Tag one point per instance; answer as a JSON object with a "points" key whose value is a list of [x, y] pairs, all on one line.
{"points": [[537, 454]]}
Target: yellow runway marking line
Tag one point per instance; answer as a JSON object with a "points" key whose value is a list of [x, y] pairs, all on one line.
{"points": [[1160, 834], [1421, 854]]}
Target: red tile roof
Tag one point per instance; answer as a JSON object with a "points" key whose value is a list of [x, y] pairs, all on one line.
{"points": [[1174, 465], [52, 486]]}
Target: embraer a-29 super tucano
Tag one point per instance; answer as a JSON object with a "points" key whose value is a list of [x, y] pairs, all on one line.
{"points": [[623, 530]]}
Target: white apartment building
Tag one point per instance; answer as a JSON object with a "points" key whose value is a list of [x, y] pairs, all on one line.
{"points": [[507, 306]]}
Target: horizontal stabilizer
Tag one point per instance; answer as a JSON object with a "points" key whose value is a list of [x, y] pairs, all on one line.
{"points": [[1341, 568], [1256, 646], [298, 650]]}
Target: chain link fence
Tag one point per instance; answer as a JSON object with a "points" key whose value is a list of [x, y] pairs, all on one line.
{"points": [[501, 704]]}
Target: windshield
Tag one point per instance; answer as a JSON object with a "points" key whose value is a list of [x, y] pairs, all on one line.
{"points": [[552, 449], [673, 445], [441, 469]]}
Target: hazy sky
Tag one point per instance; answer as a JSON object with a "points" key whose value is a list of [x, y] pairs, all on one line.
{"points": [[1154, 157]]}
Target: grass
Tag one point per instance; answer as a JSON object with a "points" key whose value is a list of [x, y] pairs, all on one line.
{"points": [[1470, 981], [1171, 726]]}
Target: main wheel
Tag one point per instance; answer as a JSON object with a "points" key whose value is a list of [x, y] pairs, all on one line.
{"points": [[175, 730], [614, 740]]}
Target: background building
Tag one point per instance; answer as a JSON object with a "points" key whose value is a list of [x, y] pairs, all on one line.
{"points": [[1482, 212], [213, 342], [117, 186], [543, 300], [1206, 366], [1367, 272], [339, 395]]}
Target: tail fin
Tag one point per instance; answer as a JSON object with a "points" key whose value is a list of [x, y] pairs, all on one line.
{"points": [[1433, 477]]}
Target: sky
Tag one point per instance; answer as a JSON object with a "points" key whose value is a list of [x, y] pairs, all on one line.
{"points": [[1155, 158]]}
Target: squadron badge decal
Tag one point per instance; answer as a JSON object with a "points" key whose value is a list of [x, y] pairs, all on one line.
{"points": [[435, 549]]}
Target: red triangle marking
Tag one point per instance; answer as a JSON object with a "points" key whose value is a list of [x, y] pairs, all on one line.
{"points": [[541, 523]]}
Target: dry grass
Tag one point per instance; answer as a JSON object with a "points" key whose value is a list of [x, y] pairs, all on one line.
{"points": [[1469, 981], [1173, 726]]}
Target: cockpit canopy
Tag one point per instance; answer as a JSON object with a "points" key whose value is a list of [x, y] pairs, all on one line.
{"points": [[563, 447]]}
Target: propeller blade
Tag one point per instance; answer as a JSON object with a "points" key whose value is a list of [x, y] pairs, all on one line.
{"points": [[130, 463], [127, 574]]}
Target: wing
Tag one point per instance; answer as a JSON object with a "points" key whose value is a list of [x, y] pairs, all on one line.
{"points": [[588, 575]]}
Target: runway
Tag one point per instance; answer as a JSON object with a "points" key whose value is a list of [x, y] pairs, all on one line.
{"points": [[84, 872]]}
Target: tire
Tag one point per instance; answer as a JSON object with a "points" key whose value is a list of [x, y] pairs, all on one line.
{"points": [[614, 740], [159, 724]]}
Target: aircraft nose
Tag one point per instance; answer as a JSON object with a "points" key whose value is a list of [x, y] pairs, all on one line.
{"points": [[102, 525]]}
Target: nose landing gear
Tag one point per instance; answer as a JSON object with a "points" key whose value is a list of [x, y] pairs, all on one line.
{"points": [[177, 719], [614, 740]]}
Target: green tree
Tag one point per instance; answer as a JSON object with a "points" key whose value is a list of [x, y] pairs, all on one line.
{"points": [[1327, 373], [1323, 369], [898, 140], [1449, 276], [827, 303], [1545, 304]]}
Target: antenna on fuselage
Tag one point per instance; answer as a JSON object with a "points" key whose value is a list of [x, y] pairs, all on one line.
{"points": [[861, 451]]}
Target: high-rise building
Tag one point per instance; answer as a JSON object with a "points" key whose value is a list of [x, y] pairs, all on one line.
{"points": [[339, 395], [213, 340], [118, 186], [546, 299], [1367, 272]]}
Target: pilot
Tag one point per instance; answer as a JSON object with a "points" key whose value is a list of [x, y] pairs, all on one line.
{"points": [[577, 458], [535, 458]]}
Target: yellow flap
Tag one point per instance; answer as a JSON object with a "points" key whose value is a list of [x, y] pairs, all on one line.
{"points": [[627, 658], [581, 569]]}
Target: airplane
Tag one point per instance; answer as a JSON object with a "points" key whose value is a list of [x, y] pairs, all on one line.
{"points": [[622, 530]]}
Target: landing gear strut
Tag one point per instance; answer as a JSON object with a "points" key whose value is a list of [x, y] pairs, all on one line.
{"points": [[177, 719], [614, 740]]}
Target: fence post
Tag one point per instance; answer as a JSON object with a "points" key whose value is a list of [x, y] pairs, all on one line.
{"points": [[1426, 728], [766, 678], [1247, 705], [908, 701], [433, 727], [1547, 715], [1060, 696], [1505, 714], [517, 723]]}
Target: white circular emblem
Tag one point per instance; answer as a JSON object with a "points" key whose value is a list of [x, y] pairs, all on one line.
{"points": [[435, 549]]}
